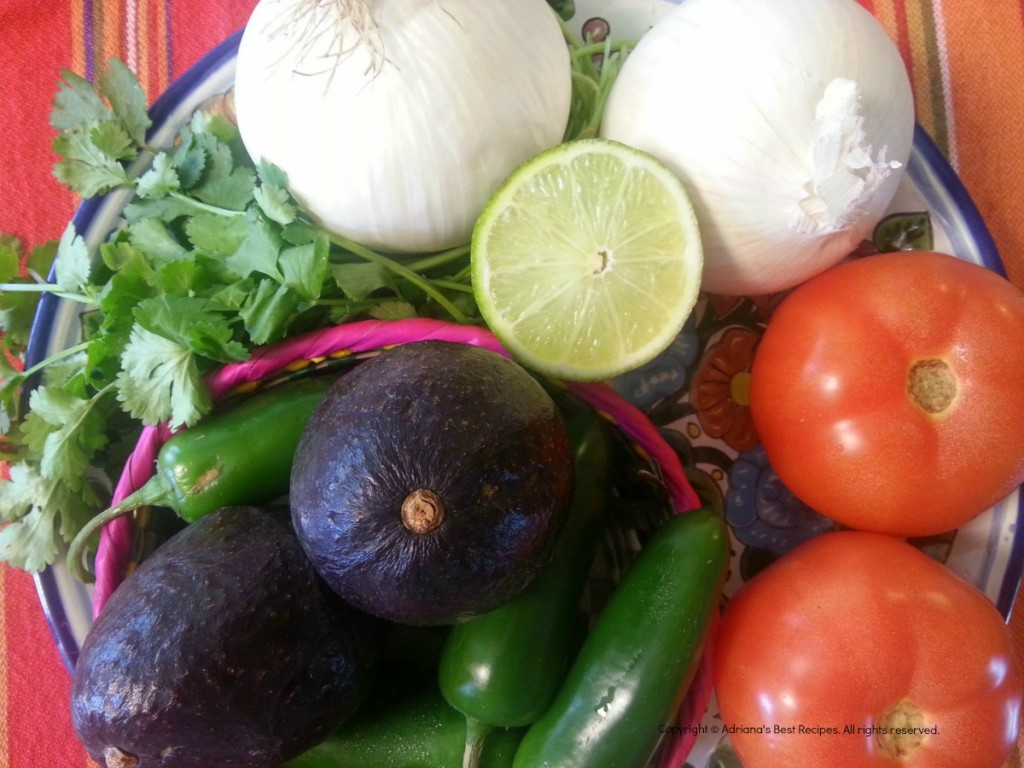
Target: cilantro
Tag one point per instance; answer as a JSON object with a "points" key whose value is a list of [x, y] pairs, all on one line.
{"points": [[10, 257], [268, 310], [121, 88], [276, 204], [304, 267], [160, 180], [161, 380], [72, 265], [213, 258], [18, 307], [31, 506], [66, 431]]}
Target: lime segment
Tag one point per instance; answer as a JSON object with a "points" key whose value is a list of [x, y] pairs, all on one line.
{"points": [[587, 260]]}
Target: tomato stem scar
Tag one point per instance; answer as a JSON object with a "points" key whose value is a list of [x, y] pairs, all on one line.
{"points": [[931, 385], [901, 730]]}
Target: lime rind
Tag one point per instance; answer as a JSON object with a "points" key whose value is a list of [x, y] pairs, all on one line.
{"points": [[587, 260]]}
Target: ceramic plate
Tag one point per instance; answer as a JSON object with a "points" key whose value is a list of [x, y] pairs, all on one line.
{"points": [[989, 552]]}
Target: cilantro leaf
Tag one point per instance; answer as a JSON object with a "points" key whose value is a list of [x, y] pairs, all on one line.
{"points": [[122, 90], [73, 264], [188, 322], [112, 141], [259, 251], [268, 311], [160, 381], [117, 309], [77, 104], [66, 431], [160, 179], [83, 166], [40, 259], [10, 258], [393, 309], [177, 278], [165, 209], [30, 542], [300, 232], [276, 203], [189, 157], [94, 136], [217, 236], [124, 259], [36, 512], [272, 174], [154, 238], [232, 297], [18, 308], [223, 183], [359, 280], [304, 267]]}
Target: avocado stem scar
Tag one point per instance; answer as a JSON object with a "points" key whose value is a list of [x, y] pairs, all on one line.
{"points": [[115, 758], [422, 511]]}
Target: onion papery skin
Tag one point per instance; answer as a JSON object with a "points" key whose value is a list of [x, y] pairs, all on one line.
{"points": [[732, 95], [398, 141]]}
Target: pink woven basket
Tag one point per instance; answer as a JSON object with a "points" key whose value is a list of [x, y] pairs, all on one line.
{"points": [[115, 554]]}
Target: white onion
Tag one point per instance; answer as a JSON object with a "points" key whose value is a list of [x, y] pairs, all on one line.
{"points": [[395, 120], [789, 121]]}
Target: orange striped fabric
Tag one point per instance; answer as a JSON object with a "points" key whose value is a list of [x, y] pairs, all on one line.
{"points": [[159, 39], [965, 57], [966, 62]]}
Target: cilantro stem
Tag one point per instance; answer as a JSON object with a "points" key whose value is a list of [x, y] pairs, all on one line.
{"points": [[463, 276], [584, 52], [205, 207], [56, 357], [425, 285], [439, 259], [453, 285], [45, 288]]}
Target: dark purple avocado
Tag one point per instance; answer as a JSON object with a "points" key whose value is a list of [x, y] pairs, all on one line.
{"points": [[223, 648], [431, 482]]}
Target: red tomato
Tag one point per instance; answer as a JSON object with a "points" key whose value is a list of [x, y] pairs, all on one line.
{"points": [[887, 392], [825, 655]]}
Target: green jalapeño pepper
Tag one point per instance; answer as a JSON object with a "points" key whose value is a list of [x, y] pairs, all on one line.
{"points": [[504, 668], [418, 730], [639, 660], [242, 455]]}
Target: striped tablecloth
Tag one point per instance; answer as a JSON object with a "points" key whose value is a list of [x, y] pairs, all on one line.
{"points": [[966, 59]]}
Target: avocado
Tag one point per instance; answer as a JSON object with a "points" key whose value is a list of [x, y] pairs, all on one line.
{"points": [[222, 648], [431, 482]]}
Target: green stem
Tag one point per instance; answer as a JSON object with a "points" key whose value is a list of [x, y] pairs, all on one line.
{"points": [[453, 285], [155, 492], [439, 259], [476, 737], [584, 52], [57, 356], [45, 288], [413, 277], [205, 207], [463, 275], [567, 32]]}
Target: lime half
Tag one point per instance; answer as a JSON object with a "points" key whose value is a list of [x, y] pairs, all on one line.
{"points": [[587, 260]]}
